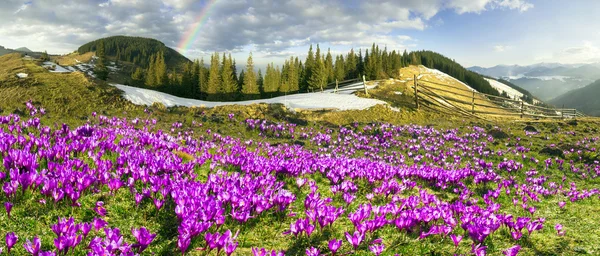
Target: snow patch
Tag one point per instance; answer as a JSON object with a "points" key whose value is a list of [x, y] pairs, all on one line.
{"points": [[53, 67], [315, 100], [445, 77], [511, 92]]}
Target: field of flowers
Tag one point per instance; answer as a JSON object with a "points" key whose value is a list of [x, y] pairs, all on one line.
{"points": [[118, 186]]}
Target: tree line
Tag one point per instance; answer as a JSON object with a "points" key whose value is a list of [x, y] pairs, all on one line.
{"points": [[218, 79]]}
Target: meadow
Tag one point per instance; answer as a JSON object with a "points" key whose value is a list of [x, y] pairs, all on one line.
{"points": [[227, 185]]}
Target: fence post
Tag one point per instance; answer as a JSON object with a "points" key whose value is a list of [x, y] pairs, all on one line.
{"points": [[473, 104], [522, 109], [365, 85], [416, 91], [562, 112], [336, 86]]}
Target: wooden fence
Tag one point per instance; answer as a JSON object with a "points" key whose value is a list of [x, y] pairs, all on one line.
{"points": [[470, 102], [346, 85]]}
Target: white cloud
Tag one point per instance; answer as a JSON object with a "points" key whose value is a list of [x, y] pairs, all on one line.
{"points": [[520, 5], [501, 48], [587, 51], [478, 6]]}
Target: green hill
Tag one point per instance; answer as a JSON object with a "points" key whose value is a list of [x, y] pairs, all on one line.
{"points": [[137, 50], [583, 99], [23, 49]]}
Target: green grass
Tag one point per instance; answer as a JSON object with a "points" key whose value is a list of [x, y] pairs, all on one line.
{"points": [[71, 98]]}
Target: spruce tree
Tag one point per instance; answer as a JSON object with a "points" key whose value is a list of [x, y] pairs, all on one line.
{"points": [[100, 69], [318, 78], [339, 73], [329, 67], [308, 64], [151, 72], [202, 80], [137, 77], [292, 75], [195, 89], [284, 88], [250, 88], [214, 78], [228, 82], [260, 82], [240, 84]]}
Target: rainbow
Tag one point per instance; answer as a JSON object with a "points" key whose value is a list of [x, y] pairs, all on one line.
{"points": [[190, 35]]}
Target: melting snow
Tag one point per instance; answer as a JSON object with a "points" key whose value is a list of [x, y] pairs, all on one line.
{"points": [[57, 68], [315, 100], [445, 77], [512, 93]]}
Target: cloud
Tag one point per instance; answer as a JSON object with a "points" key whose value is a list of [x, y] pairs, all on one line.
{"points": [[272, 27], [501, 48], [478, 6], [586, 52]]}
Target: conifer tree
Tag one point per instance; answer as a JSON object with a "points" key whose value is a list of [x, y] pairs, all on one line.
{"points": [[240, 84], [228, 82], [250, 88], [195, 89], [329, 67], [260, 82], [350, 65], [339, 68], [151, 72], [214, 78], [160, 70], [308, 64], [292, 75], [100, 69], [137, 78], [318, 78], [202, 80], [284, 87]]}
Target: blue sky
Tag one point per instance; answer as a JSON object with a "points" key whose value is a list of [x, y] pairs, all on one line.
{"points": [[473, 32]]}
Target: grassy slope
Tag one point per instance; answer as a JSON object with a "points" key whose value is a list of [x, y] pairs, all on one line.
{"points": [[70, 97], [584, 99]]}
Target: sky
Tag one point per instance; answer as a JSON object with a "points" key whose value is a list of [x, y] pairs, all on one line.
{"points": [[473, 32]]}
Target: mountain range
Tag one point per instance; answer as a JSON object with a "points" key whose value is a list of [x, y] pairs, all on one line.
{"points": [[545, 80]]}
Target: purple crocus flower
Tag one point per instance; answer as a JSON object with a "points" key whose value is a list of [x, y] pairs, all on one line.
{"points": [[143, 237], [561, 204], [559, 230], [512, 251], [85, 228], [312, 251], [183, 242], [99, 223], [11, 240], [355, 239], [334, 245], [99, 208], [8, 206], [456, 239], [33, 247], [479, 250], [377, 249]]}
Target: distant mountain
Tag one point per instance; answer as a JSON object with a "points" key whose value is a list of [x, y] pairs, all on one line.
{"points": [[23, 49], [545, 80], [4, 51], [583, 99], [137, 50]]}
